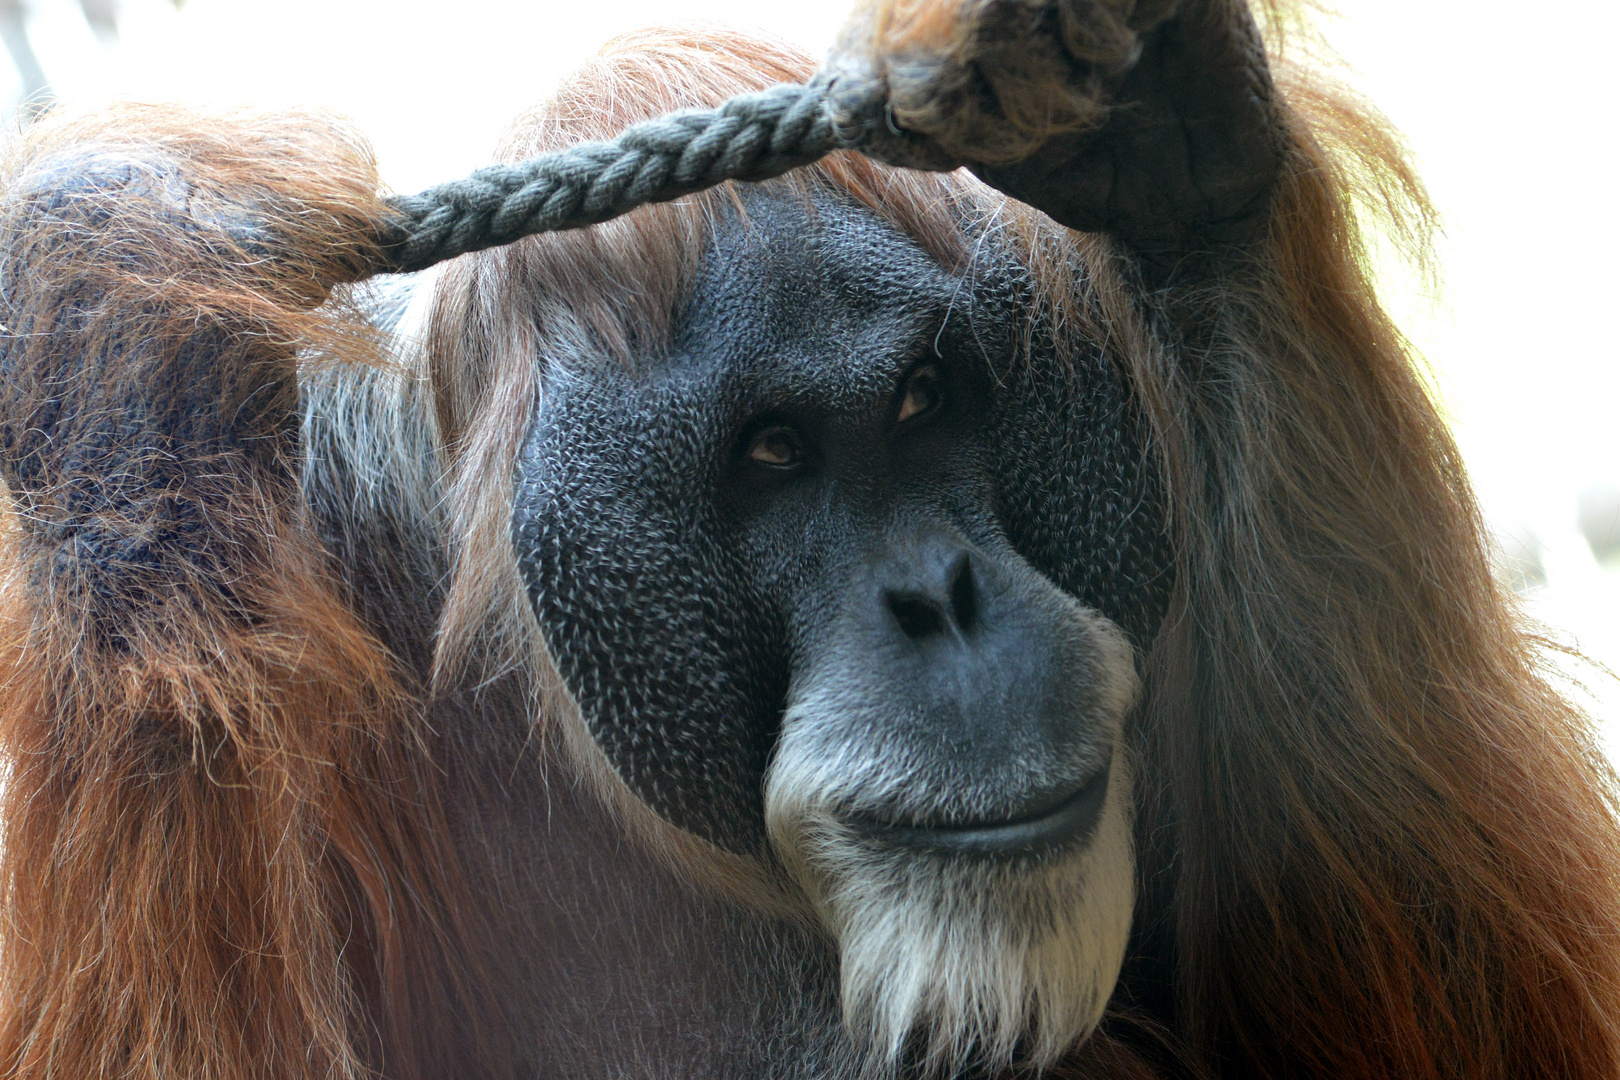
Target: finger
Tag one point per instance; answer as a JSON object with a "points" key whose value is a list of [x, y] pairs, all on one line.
{"points": [[935, 83]]}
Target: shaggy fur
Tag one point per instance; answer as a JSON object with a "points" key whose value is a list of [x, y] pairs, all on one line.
{"points": [[259, 821], [224, 849]]}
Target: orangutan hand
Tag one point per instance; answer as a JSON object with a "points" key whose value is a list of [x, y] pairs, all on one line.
{"points": [[1149, 119]]}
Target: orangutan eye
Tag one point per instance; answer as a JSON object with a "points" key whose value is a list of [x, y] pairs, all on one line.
{"points": [[920, 395], [777, 448]]}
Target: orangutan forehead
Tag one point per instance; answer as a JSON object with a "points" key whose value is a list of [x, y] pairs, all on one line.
{"points": [[612, 292]]}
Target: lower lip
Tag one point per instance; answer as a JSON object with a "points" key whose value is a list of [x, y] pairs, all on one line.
{"points": [[1071, 822]]}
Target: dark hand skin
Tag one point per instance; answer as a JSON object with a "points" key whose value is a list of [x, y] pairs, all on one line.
{"points": [[1186, 152]]}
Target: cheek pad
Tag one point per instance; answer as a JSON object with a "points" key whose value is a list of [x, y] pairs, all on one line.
{"points": [[1079, 493], [674, 662]]}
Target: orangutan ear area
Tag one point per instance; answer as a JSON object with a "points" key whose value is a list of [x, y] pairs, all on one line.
{"points": [[932, 563]]}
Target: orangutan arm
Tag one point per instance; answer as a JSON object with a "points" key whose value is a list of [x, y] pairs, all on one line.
{"points": [[196, 727]]}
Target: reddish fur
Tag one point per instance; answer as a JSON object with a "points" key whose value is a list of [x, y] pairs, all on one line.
{"points": [[225, 854], [918, 26], [1397, 848], [1394, 846]]}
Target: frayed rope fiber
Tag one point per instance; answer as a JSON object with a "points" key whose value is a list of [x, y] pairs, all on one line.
{"points": [[750, 137]]}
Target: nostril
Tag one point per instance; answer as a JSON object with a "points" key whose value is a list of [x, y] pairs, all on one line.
{"points": [[918, 616], [964, 594]]}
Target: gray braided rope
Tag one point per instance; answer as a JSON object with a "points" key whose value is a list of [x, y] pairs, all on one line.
{"points": [[750, 137]]}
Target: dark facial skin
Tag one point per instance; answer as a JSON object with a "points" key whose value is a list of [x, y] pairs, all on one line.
{"points": [[839, 469]]}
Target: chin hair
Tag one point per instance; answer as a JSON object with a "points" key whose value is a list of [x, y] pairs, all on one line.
{"points": [[951, 962]]}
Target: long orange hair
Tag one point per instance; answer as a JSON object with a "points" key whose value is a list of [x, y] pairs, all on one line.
{"points": [[1377, 843]]}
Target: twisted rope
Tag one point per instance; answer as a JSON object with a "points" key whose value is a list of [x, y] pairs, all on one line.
{"points": [[750, 137]]}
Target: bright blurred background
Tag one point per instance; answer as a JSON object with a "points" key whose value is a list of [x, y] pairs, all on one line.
{"points": [[1509, 112]]}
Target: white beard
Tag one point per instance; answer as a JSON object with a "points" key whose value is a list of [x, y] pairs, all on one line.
{"points": [[950, 961]]}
